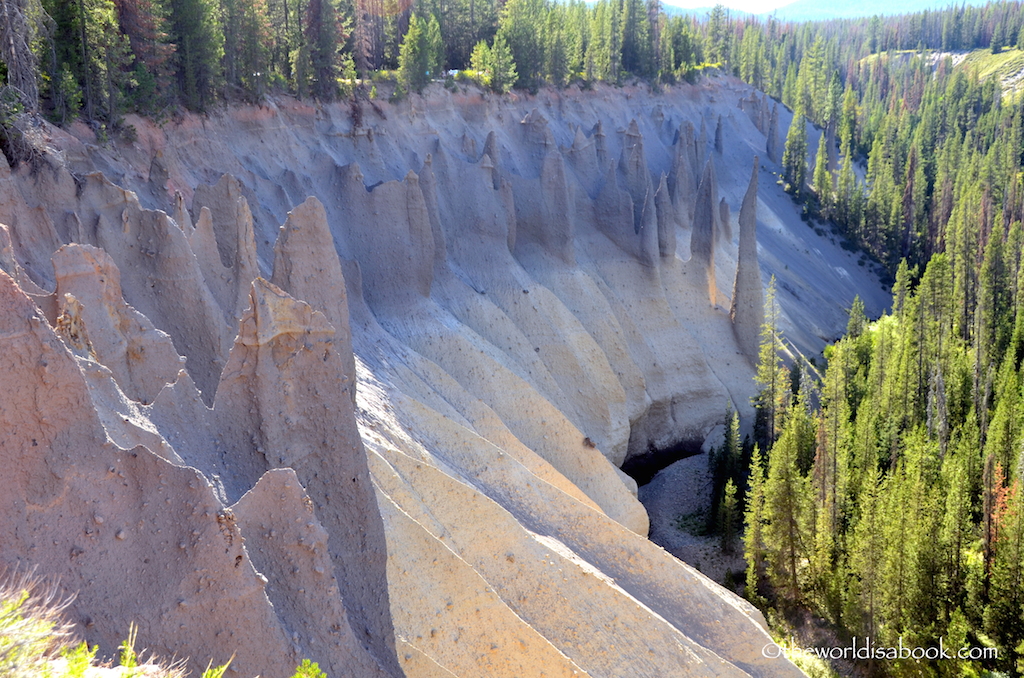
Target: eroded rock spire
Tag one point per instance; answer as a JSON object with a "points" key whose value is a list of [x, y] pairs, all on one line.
{"points": [[704, 234], [772, 145], [666, 222], [306, 266], [747, 297], [725, 220]]}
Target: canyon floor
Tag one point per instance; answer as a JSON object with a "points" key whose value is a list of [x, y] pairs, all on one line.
{"points": [[355, 382]]}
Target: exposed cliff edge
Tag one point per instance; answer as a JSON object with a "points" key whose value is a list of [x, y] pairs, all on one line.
{"points": [[280, 386]]}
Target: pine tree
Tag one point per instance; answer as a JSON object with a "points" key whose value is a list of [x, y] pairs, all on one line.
{"points": [[199, 45], [786, 509], [637, 56], [728, 516], [718, 35], [480, 61], [521, 28], [419, 58], [666, 53], [996, 45], [322, 37], [822, 177], [770, 376], [866, 551], [145, 24], [599, 50], [1004, 616], [503, 69], [811, 82], [794, 157], [754, 524], [556, 65]]}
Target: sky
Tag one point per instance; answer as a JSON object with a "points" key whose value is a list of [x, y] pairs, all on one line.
{"points": [[752, 6]]}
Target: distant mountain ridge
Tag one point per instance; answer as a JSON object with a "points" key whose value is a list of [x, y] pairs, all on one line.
{"points": [[815, 10]]}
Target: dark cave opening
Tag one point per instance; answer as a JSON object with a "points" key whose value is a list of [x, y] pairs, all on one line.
{"points": [[643, 467]]}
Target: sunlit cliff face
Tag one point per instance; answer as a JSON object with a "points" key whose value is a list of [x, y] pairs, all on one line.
{"points": [[279, 386]]}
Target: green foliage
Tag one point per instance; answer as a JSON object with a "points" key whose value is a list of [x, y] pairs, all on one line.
{"points": [[556, 63], [753, 530], [728, 515], [36, 641], [79, 659], [822, 181], [772, 397], [308, 669], [909, 522], [495, 65], [419, 59], [246, 44], [637, 50], [794, 157], [29, 632], [199, 44], [322, 36], [718, 48], [520, 27], [212, 671]]}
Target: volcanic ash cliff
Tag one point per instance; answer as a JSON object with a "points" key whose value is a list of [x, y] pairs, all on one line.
{"points": [[290, 382]]}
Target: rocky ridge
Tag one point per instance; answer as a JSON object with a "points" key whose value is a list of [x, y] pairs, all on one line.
{"points": [[278, 385]]}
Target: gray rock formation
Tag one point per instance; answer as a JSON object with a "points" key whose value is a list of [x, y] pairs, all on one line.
{"points": [[582, 157], [718, 136], [704, 237], [600, 143], [281, 404], [747, 311], [681, 180], [160, 276], [469, 147], [666, 219], [636, 178], [725, 220], [546, 220], [230, 227], [772, 144], [307, 267], [119, 524], [302, 582], [702, 143], [141, 357], [830, 145]]}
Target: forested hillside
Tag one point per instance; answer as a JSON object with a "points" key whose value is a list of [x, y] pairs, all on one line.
{"points": [[888, 497], [101, 58]]}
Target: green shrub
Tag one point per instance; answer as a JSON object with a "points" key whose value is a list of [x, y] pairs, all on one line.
{"points": [[308, 669]]}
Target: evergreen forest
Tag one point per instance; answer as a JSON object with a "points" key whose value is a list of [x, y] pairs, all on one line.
{"points": [[882, 493]]}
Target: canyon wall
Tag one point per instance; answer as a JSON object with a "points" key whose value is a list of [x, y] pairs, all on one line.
{"points": [[355, 382]]}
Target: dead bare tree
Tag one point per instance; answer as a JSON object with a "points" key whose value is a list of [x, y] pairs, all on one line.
{"points": [[18, 20]]}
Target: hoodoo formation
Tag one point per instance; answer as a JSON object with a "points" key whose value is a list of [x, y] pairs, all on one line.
{"points": [[747, 294], [287, 383]]}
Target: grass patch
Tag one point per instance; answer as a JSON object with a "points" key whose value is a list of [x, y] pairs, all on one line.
{"points": [[1003, 65], [36, 641]]}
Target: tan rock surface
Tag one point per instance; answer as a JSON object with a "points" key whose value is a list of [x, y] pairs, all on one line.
{"points": [[137, 538], [141, 357]]}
